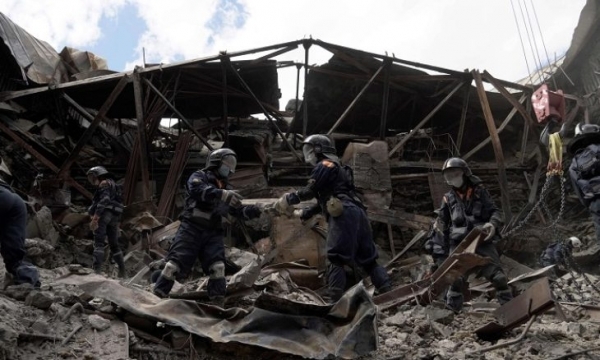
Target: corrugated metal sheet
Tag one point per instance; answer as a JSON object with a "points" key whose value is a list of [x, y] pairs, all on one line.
{"points": [[38, 61]]}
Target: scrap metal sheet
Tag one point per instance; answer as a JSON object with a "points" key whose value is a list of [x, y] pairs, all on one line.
{"points": [[346, 329]]}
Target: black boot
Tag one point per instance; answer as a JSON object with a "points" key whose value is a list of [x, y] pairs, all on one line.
{"points": [[118, 258], [98, 260]]}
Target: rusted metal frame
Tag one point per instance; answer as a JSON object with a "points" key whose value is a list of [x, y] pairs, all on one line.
{"points": [[326, 45], [489, 119], [525, 136], [356, 99], [517, 104], [385, 101], [268, 116], [353, 76], [89, 132], [306, 46], [41, 158], [459, 263], [425, 120], [177, 165], [224, 115], [535, 300], [298, 67], [141, 124], [179, 114], [273, 54], [506, 121], [463, 117], [572, 114]]}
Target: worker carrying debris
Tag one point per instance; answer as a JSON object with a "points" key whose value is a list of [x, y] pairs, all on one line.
{"points": [[466, 206], [106, 211], [13, 222], [558, 252], [349, 239], [585, 169], [208, 200]]}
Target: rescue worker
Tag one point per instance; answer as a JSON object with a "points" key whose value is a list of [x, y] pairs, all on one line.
{"points": [[585, 169], [208, 200], [105, 212], [13, 222], [349, 238], [466, 206], [557, 253]]}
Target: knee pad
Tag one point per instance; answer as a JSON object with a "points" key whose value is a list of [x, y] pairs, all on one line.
{"points": [[171, 268], [217, 270], [500, 281]]}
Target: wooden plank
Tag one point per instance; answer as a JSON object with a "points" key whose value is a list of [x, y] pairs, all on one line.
{"points": [[425, 120], [489, 119], [507, 120], [399, 218], [463, 118], [391, 239], [414, 240], [141, 126], [87, 135]]}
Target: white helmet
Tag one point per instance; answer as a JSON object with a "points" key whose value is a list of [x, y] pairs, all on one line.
{"points": [[575, 241]]}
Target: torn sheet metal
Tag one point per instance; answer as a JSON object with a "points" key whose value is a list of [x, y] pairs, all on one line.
{"points": [[346, 329], [462, 260], [535, 300]]}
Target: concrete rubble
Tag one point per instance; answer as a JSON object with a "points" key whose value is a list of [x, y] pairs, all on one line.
{"points": [[275, 264]]}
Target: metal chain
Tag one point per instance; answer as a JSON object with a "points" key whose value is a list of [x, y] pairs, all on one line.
{"points": [[540, 202], [525, 220]]}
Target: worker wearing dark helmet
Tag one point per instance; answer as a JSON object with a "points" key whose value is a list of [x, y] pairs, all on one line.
{"points": [[209, 199], [349, 238], [13, 222], [466, 206], [584, 170], [106, 211]]}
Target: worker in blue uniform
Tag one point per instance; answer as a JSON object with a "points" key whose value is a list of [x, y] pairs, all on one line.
{"points": [[209, 199], [349, 237]]}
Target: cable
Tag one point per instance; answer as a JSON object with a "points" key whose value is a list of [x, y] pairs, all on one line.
{"points": [[529, 39], [537, 51], [521, 38], [543, 42]]}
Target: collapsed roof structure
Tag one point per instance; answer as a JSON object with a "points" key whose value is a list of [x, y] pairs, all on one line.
{"points": [[61, 113]]}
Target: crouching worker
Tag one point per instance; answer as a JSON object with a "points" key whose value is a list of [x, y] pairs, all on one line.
{"points": [[13, 222], [209, 198], [466, 206], [349, 238], [106, 211], [558, 252]]}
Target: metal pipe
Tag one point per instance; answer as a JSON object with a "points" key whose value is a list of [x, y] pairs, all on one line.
{"points": [[249, 90], [306, 45], [360, 94], [226, 126], [386, 98]]}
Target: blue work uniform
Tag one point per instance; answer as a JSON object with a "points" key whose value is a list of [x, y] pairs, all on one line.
{"points": [[200, 234], [461, 212], [13, 222], [349, 237], [107, 205], [584, 173]]}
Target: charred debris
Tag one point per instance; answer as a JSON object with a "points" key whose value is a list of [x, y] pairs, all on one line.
{"points": [[393, 120]]}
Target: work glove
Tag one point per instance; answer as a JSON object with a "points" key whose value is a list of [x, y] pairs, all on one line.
{"points": [[94, 223], [489, 229], [232, 198], [282, 206], [251, 212], [157, 264]]}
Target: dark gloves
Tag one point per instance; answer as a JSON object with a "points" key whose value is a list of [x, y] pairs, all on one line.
{"points": [[232, 198], [251, 212]]}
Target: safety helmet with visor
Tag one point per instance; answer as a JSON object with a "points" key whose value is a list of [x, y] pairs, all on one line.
{"points": [[454, 171], [315, 146], [94, 174], [586, 129], [224, 160]]}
